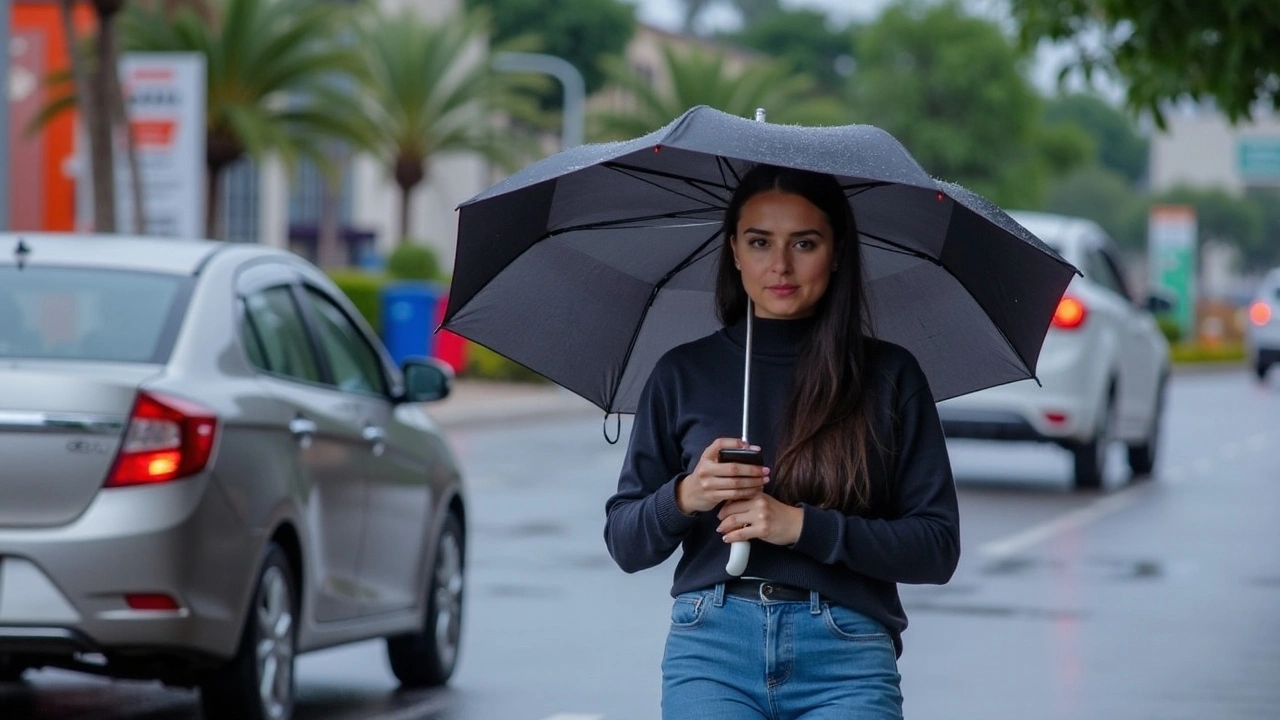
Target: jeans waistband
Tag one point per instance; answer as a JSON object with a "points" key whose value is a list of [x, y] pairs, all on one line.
{"points": [[765, 590]]}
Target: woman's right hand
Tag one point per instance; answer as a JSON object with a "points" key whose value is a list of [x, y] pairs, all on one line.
{"points": [[713, 482]]}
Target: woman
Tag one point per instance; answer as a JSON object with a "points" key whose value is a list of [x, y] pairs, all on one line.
{"points": [[856, 494]]}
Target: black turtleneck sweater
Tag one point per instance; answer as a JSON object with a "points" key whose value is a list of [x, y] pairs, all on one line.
{"points": [[909, 534]]}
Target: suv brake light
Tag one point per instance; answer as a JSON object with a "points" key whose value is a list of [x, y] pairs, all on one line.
{"points": [[167, 438], [1260, 313], [1070, 314]]}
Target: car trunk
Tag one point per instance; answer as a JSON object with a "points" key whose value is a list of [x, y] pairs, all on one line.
{"points": [[61, 424]]}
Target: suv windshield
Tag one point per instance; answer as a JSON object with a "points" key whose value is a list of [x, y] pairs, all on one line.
{"points": [[89, 314]]}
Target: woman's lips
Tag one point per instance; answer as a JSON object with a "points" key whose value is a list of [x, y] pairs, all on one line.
{"points": [[783, 290]]}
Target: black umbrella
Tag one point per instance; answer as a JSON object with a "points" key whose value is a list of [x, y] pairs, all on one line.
{"points": [[590, 264]]}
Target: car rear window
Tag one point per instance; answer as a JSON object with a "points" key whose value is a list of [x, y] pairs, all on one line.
{"points": [[89, 313]]}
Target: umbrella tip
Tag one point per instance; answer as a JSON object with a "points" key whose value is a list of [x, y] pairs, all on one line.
{"points": [[759, 114]]}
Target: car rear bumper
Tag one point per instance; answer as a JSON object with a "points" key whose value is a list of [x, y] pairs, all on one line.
{"points": [[63, 590]]}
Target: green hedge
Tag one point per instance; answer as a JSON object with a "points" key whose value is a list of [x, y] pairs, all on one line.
{"points": [[485, 364], [1187, 353], [365, 291]]}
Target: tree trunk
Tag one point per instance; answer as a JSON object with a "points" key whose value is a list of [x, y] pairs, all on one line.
{"points": [[408, 171], [212, 202], [83, 89], [120, 118]]}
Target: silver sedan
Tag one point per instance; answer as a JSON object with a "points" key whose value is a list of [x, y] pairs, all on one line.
{"points": [[208, 464]]}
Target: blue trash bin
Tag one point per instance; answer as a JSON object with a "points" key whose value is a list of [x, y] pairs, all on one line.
{"points": [[408, 319]]}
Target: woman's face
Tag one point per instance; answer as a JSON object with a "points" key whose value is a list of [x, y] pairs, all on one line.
{"points": [[785, 250]]}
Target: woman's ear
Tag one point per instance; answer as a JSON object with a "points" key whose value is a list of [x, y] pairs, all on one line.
{"points": [[733, 247]]}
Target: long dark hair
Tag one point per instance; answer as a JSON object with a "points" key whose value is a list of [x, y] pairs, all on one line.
{"points": [[827, 433]]}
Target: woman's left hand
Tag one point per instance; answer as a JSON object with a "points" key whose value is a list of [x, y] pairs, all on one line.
{"points": [[762, 517]]}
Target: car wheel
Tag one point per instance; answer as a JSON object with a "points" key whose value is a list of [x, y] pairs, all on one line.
{"points": [[1091, 457], [1142, 457], [257, 684], [1260, 370], [427, 658]]}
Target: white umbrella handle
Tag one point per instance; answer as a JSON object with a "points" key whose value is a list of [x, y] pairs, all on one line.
{"points": [[739, 554]]}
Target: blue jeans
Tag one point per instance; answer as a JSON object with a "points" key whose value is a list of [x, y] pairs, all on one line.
{"points": [[731, 658]]}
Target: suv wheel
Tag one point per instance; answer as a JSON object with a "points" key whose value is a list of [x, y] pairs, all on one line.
{"points": [[1142, 457], [427, 658], [1091, 456], [257, 684]]}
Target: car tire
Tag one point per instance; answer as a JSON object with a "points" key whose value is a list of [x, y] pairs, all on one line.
{"points": [[267, 648], [427, 658], [1142, 456], [1260, 370], [1090, 457]]}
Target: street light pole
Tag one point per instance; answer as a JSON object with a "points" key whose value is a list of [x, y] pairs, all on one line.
{"points": [[575, 94]]}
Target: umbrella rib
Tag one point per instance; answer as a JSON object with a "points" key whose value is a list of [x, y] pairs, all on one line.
{"points": [[678, 215], [863, 187], [631, 174], [689, 260], [669, 176]]}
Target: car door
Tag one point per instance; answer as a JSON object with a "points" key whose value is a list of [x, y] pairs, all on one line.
{"points": [[1138, 343], [317, 423], [393, 462]]}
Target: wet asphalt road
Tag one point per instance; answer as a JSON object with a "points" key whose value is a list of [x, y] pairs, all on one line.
{"points": [[1152, 600]]}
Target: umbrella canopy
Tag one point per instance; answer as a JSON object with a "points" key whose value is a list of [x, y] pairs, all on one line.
{"points": [[588, 265]]}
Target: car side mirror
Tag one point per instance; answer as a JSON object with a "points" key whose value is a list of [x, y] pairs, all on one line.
{"points": [[426, 380], [1158, 304]]}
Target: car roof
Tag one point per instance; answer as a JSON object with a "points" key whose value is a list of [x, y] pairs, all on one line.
{"points": [[1065, 232], [121, 252]]}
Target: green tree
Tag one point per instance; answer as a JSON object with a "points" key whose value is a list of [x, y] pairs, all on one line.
{"points": [[583, 32], [954, 90], [275, 78], [804, 38], [1224, 51], [1107, 198], [750, 12], [1120, 147], [704, 78], [431, 91]]}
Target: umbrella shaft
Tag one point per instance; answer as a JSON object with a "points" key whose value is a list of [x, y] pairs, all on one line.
{"points": [[746, 373]]}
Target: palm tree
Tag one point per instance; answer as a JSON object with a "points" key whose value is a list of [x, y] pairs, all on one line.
{"points": [[278, 77], [431, 90], [699, 77]]}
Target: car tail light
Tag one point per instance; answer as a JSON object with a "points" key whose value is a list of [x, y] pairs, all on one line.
{"points": [[168, 438], [151, 601], [1070, 314], [1260, 313]]}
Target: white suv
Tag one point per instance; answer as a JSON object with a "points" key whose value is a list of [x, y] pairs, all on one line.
{"points": [[1264, 325], [1103, 367]]}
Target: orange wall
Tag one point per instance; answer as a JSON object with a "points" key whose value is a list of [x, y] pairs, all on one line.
{"points": [[57, 190]]}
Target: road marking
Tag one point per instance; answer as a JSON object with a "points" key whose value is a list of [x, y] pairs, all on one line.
{"points": [[1077, 518]]}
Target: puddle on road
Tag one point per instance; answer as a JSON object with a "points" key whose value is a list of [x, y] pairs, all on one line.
{"points": [[994, 611], [1114, 569]]}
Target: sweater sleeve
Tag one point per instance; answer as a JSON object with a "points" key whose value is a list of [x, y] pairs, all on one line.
{"points": [[643, 524], [920, 545]]}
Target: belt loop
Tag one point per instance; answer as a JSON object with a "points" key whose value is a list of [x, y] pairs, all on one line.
{"points": [[815, 603], [718, 595]]}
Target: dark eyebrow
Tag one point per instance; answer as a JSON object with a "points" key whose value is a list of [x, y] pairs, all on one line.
{"points": [[798, 233]]}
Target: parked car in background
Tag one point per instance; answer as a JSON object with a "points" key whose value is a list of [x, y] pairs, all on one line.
{"points": [[1263, 335], [1103, 367], [210, 465]]}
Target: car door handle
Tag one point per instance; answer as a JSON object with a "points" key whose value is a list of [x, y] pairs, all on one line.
{"points": [[374, 434], [304, 430]]}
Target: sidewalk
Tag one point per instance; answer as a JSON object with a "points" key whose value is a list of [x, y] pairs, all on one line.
{"points": [[482, 402]]}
